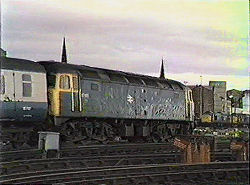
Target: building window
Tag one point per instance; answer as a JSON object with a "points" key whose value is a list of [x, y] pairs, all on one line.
{"points": [[64, 82], [94, 87], [2, 84], [27, 85]]}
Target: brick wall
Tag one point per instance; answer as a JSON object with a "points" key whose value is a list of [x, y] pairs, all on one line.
{"points": [[203, 100]]}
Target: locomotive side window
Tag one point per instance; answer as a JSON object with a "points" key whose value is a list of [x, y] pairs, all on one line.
{"points": [[64, 82], [2, 84], [94, 87], [27, 85]]}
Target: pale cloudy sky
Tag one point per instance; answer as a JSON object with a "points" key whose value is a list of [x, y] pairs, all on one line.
{"points": [[207, 38]]}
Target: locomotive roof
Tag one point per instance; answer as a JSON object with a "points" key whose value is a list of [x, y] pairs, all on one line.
{"points": [[20, 65], [58, 67]]}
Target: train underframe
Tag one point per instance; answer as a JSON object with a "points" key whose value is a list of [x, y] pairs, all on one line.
{"points": [[105, 130], [80, 131]]}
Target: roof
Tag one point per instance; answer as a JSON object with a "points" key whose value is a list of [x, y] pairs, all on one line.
{"points": [[3, 53], [20, 65], [246, 92], [112, 75]]}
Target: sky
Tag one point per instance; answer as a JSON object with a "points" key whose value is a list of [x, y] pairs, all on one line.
{"points": [[199, 40]]}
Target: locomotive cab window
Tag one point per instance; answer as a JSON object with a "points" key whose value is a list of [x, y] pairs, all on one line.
{"points": [[2, 84], [75, 83], [64, 82], [27, 85]]}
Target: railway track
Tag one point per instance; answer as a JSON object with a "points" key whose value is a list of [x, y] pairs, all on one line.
{"points": [[224, 172], [97, 150], [8, 168], [148, 163]]}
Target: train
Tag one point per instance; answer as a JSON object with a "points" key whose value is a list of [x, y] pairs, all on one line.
{"points": [[89, 103]]}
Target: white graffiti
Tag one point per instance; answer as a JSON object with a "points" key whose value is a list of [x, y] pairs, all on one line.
{"points": [[130, 99]]}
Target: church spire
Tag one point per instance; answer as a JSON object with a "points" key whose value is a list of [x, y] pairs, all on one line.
{"points": [[162, 75], [64, 54]]}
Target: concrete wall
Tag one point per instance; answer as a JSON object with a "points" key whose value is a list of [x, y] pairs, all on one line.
{"points": [[219, 88]]}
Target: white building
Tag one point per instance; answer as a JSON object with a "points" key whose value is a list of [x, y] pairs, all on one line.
{"points": [[245, 101]]}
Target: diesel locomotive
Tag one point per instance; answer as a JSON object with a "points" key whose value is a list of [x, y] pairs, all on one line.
{"points": [[89, 103]]}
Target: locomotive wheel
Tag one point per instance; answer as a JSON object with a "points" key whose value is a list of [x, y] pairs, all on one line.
{"points": [[161, 133], [78, 132], [156, 138], [71, 133]]}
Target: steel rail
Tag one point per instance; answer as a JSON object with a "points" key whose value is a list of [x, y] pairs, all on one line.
{"points": [[125, 170], [91, 150], [178, 178], [73, 162]]}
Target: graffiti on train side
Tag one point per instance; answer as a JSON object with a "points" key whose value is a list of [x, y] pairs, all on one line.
{"points": [[169, 108]]}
